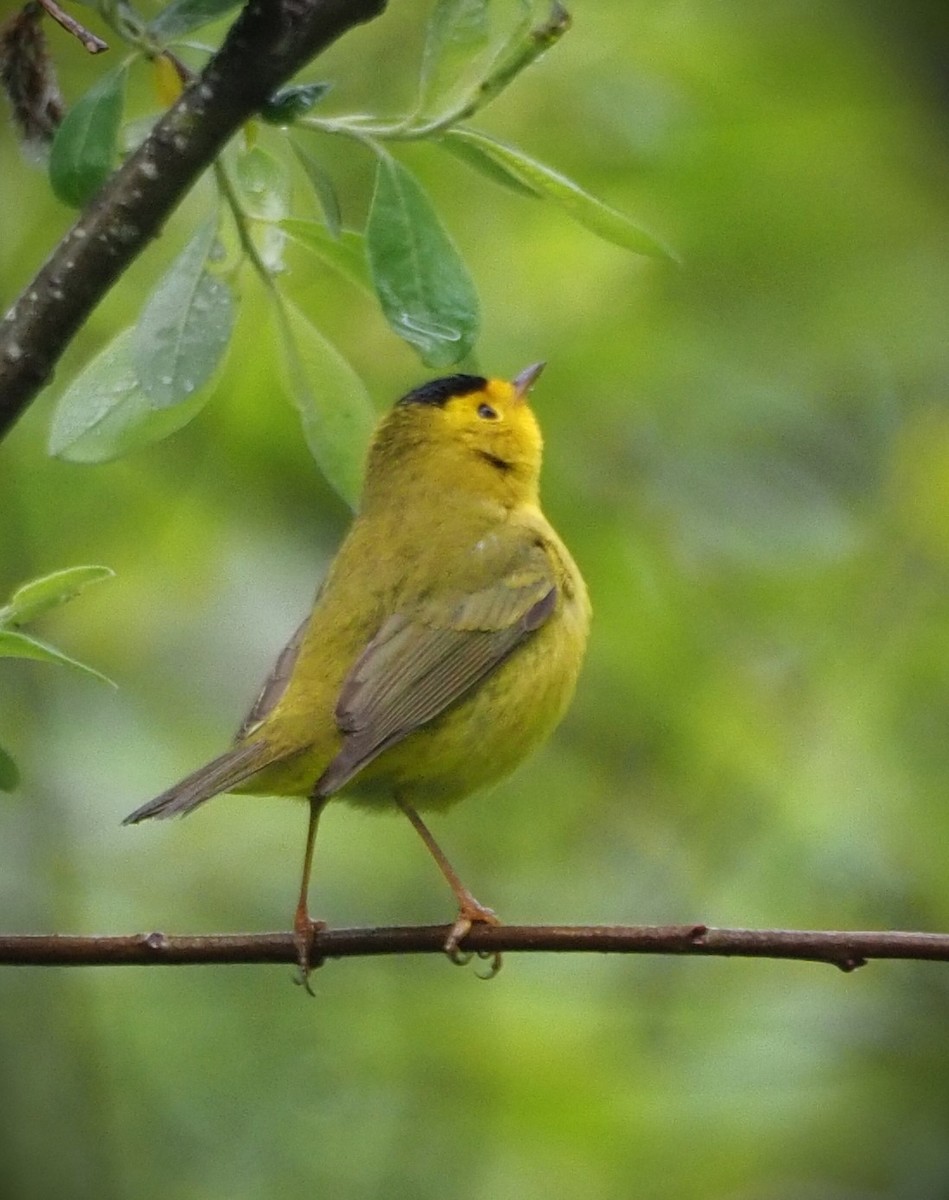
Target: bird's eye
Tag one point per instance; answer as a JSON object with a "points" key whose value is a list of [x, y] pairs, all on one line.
{"points": [[487, 412]]}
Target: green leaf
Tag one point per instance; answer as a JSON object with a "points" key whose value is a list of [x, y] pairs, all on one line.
{"points": [[49, 591], [423, 286], [289, 103], [9, 775], [322, 184], [474, 156], [264, 183], [586, 210], [84, 150], [345, 254], [104, 413], [19, 645], [333, 403], [181, 16], [185, 327], [456, 32]]}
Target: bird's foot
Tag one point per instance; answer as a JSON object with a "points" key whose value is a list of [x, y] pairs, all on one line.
{"points": [[470, 913], [304, 931]]}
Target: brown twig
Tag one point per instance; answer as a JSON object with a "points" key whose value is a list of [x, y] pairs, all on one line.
{"points": [[843, 949], [268, 43], [95, 45]]}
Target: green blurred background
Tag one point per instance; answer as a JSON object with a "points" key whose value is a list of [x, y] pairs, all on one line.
{"points": [[749, 457]]}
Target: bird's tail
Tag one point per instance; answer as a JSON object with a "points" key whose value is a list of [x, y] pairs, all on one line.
{"points": [[220, 775]]}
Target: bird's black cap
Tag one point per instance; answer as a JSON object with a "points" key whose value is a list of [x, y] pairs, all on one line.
{"points": [[438, 391]]}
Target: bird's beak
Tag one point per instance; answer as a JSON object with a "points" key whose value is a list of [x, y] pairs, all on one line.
{"points": [[523, 383]]}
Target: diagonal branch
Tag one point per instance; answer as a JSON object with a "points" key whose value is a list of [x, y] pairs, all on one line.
{"points": [[269, 42], [846, 950], [88, 40]]}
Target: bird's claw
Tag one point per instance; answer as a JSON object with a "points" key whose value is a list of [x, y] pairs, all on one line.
{"points": [[472, 913], [304, 931], [496, 963]]}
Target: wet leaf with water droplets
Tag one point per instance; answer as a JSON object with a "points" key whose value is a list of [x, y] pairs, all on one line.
{"points": [[185, 327], [104, 413], [422, 283], [264, 182]]}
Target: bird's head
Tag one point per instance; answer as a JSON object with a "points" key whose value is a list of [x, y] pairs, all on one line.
{"points": [[461, 433]]}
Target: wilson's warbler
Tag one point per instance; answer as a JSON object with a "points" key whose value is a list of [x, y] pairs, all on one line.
{"points": [[444, 644]]}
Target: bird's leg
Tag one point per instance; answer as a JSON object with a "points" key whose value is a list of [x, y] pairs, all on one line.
{"points": [[303, 927], [470, 911]]}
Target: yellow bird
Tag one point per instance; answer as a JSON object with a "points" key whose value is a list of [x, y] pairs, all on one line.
{"points": [[444, 644]]}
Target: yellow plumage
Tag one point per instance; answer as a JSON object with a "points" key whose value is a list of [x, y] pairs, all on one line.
{"points": [[446, 641]]}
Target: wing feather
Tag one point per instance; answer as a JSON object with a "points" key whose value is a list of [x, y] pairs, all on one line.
{"points": [[422, 662], [276, 683], [220, 775]]}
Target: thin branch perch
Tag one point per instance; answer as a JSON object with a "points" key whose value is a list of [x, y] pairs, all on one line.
{"points": [[268, 43], [843, 949]]}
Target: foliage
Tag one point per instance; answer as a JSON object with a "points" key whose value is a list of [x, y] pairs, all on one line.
{"points": [[28, 602], [749, 458], [144, 386]]}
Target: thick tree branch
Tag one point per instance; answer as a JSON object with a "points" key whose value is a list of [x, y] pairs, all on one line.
{"points": [[268, 43], [846, 950]]}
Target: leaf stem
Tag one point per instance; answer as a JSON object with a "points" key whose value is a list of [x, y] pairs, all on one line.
{"points": [[503, 72], [232, 200]]}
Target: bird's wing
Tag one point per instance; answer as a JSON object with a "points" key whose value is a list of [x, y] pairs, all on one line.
{"points": [[425, 658], [275, 685]]}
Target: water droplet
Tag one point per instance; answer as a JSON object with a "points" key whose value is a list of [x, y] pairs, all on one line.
{"points": [[427, 328]]}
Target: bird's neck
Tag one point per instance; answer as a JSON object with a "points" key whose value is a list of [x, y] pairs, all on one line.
{"points": [[429, 478]]}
